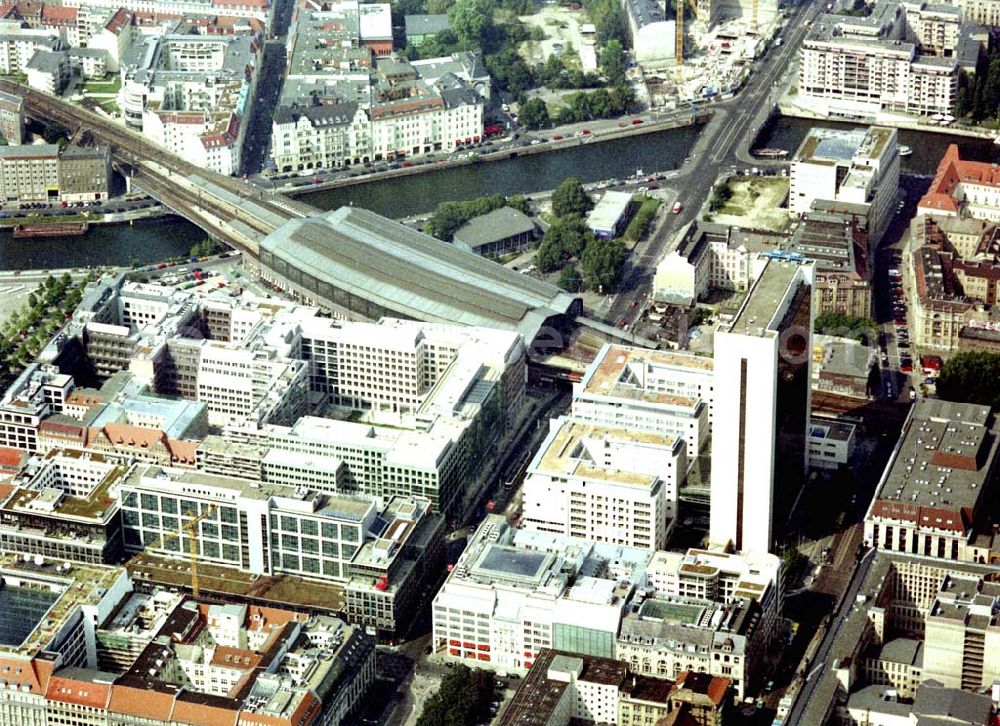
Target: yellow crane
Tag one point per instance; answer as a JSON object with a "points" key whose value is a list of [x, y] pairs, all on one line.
{"points": [[679, 42], [191, 528]]}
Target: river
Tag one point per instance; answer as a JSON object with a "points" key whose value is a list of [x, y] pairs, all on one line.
{"points": [[157, 239]]}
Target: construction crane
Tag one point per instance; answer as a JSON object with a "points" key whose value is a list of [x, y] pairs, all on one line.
{"points": [[679, 42], [191, 528]]}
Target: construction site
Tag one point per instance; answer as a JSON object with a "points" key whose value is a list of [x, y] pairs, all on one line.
{"points": [[704, 52]]}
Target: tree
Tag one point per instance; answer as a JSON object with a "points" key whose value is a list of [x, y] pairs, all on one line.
{"points": [[622, 98], [549, 257], [510, 71], [971, 377], [551, 72], [613, 62], [570, 279], [991, 89], [568, 235], [53, 132], [570, 199], [535, 114], [519, 202], [472, 21], [32, 300], [602, 263], [463, 699]]}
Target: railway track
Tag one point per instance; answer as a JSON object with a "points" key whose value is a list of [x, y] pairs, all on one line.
{"points": [[130, 147]]}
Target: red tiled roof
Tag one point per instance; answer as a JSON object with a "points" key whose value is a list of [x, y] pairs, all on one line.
{"points": [[58, 14], [202, 714], [82, 693], [141, 702], [34, 673], [951, 172], [11, 458]]}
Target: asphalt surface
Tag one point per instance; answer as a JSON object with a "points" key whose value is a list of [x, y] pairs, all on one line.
{"points": [[724, 145]]}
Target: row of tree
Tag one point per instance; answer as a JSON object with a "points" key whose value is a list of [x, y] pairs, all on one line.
{"points": [[26, 332], [971, 377], [568, 241], [978, 96], [449, 216], [602, 103]]}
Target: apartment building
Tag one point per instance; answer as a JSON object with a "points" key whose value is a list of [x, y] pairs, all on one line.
{"points": [[402, 115], [46, 173], [563, 688], [18, 45], [604, 484], [122, 657], [11, 118], [831, 444], [513, 593], [857, 67], [664, 637], [251, 9], [669, 393], [937, 486], [711, 256], [859, 166], [347, 101], [940, 307], [191, 92], [963, 188]]}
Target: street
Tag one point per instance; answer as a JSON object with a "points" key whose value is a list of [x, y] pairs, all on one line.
{"points": [[724, 145]]}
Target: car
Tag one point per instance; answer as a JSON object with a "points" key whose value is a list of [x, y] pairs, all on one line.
{"points": [[885, 359], [585, 132], [888, 389], [636, 121], [634, 303], [897, 322], [676, 208], [930, 381], [906, 367]]}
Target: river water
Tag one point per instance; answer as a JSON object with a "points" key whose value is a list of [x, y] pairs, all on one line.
{"points": [[157, 239]]}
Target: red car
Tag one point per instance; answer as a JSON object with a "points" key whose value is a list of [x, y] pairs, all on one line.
{"points": [[558, 138], [407, 164], [636, 121], [586, 132]]}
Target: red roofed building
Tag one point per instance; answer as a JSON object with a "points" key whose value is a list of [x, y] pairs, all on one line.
{"points": [[938, 486], [963, 188]]}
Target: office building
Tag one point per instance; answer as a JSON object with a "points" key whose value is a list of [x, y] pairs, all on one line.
{"points": [[859, 166], [842, 366], [377, 556], [669, 393], [513, 593], [653, 37], [61, 507], [937, 487], [963, 188], [604, 484], [831, 444], [723, 578], [940, 306], [858, 67], [711, 256], [762, 402], [35, 394]]}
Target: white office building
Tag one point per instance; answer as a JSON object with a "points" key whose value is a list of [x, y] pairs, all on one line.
{"points": [[857, 166], [604, 484], [664, 392], [513, 592], [762, 398]]}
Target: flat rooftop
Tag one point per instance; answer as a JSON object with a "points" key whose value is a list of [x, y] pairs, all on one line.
{"points": [[567, 453], [940, 468], [764, 301], [624, 372]]}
